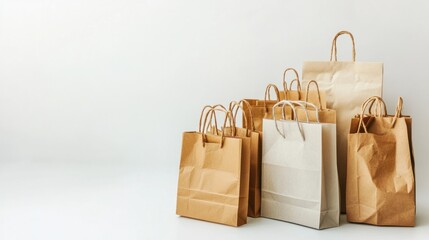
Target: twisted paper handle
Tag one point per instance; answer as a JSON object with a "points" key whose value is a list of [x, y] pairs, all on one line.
{"points": [[212, 111], [334, 46], [267, 95], [283, 104]]}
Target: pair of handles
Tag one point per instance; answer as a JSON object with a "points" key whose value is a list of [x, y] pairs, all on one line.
{"points": [[204, 128], [293, 104], [380, 111], [276, 90], [240, 105], [230, 114]]}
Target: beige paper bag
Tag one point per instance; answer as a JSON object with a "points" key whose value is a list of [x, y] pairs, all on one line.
{"points": [[380, 170], [347, 85], [299, 173], [289, 94], [213, 178]]}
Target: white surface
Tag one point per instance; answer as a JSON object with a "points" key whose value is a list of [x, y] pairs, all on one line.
{"points": [[85, 201], [90, 136]]}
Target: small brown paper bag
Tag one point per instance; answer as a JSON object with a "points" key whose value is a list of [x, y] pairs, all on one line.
{"points": [[380, 168]]}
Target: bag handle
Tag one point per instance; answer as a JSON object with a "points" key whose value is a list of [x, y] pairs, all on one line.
{"points": [[398, 111], [296, 79], [212, 111], [236, 106], [381, 111], [318, 92], [298, 86], [334, 45], [203, 113], [213, 116], [376, 101], [304, 105], [283, 104], [381, 105], [369, 102], [267, 94]]}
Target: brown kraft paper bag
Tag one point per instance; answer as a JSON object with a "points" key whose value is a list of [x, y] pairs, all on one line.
{"points": [[213, 180], [380, 169], [254, 209]]}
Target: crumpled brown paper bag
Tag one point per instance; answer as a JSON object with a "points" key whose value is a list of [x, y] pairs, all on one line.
{"points": [[380, 169]]}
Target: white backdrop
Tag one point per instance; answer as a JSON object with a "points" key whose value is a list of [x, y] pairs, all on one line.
{"points": [[95, 90]]}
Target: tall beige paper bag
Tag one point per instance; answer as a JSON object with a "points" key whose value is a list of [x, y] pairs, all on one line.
{"points": [[347, 85]]}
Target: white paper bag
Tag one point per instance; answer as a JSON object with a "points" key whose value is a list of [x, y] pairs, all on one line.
{"points": [[299, 172]]}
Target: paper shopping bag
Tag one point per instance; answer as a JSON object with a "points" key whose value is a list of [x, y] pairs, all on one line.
{"points": [[380, 170], [212, 182], [254, 209], [317, 98], [347, 85], [299, 173]]}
